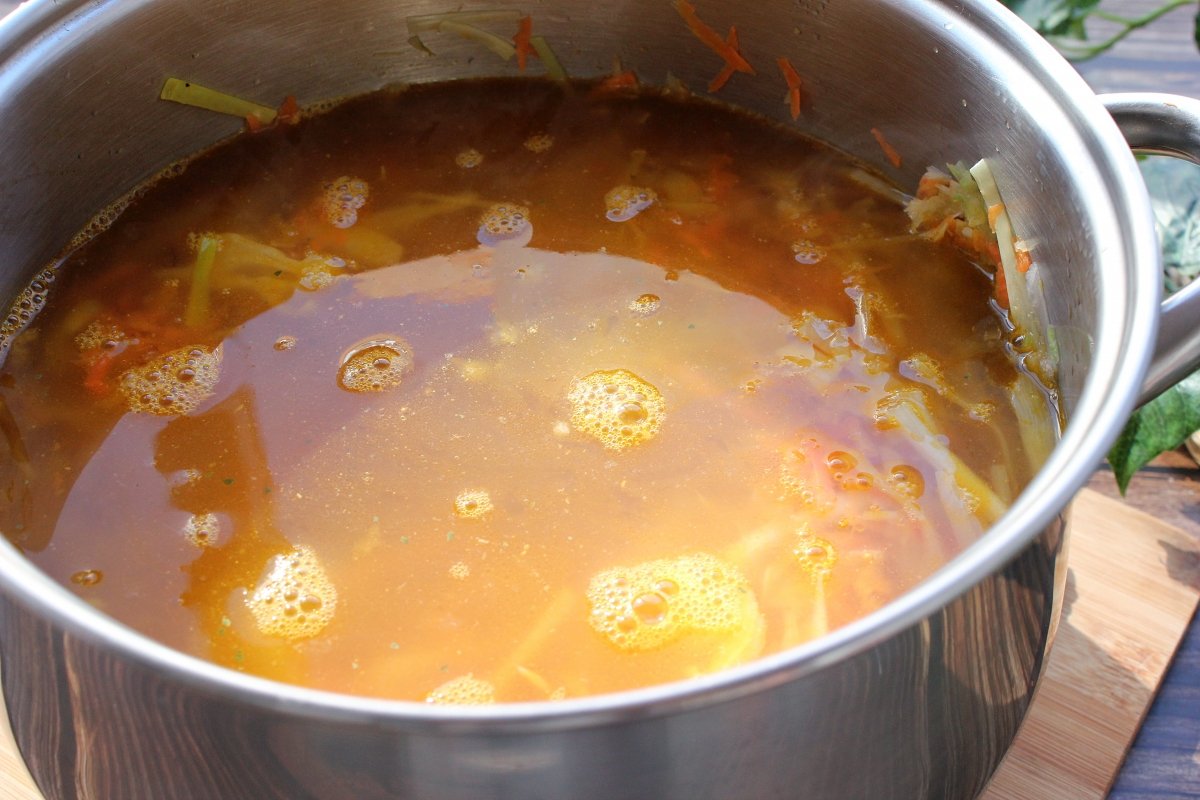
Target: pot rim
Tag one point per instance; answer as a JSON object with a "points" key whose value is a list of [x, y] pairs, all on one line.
{"points": [[1130, 293]]}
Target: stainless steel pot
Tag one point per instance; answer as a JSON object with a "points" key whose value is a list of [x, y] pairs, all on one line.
{"points": [[919, 700]]}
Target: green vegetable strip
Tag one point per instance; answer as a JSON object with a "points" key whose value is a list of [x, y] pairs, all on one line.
{"points": [[196, 313], [1029, 404], [422, 23], [465, 24], [491, 41], [1021, 304], [554, 67], [193, 94]]}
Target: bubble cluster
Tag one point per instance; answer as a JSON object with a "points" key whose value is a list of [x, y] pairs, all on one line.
{"points": [[814, 554], [657, 602], [469, 158], [539, 143], [99, 336], [805, 252], [296, 599], [174, 383], [317, 271], [375, 365], [87, 577], [616, 407], [505, 223], [645, 305], [473, 504], [625, 202], [460, 571], [342, 198], [907, 481], [29, 302], [465, 690], [202, 530]]}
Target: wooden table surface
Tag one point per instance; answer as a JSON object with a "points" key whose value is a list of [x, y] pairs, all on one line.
{"points": [[1164, 763]]}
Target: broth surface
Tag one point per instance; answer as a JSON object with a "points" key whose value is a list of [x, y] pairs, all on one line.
{"points": [[496, 391]]}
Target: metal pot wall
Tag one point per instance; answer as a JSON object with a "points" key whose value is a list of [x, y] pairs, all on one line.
{"points": [[919, 700]]}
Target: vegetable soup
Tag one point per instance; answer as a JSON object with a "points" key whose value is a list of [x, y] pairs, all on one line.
{"points": [[509, 390]]}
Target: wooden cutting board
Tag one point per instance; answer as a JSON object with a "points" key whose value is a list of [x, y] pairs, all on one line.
{"points": [[1133, 587]]}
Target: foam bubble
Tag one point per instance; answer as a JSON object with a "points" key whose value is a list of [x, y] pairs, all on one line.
{"points": [[460, 571], [99, 336], [202, 530], [342, 198], [174, 383], [375, 365], [625, 202], [87, 577], [469, 158], [295, 600], [473, 504], [645, 305], [658, 602], [505, 223], [805, 252], [815, 555], [539, 143], [616, 407], [465, 690]]}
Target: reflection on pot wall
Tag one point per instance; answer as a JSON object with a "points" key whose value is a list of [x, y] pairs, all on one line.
{"points": [[927, 714]]}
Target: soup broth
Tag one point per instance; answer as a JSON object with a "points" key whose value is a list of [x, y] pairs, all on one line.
{"points": [[500, 391]]}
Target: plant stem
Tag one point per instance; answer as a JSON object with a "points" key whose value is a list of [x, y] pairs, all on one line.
{"points": [[1079, 53]]}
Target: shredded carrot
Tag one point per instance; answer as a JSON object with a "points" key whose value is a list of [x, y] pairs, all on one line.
{"points": [[711, 38], [993, 214], [253, 124], [889, 151], [289, 111], [793, 83], [930, 184], [1001, 289], [1024, 260], [521, 40], [721, 178], [96, 376], [618, 81], [727, 71]]}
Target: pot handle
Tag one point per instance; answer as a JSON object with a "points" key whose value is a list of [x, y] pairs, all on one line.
{"points": [[1165, 124]]}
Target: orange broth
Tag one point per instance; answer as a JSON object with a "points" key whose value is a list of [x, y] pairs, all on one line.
{"points": [[496, 391]]}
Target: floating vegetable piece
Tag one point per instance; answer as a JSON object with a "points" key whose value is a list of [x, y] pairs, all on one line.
{"points": [[554, 67], [196, 313], [521, 41], [711, 38], [193, 94], [727, 71], [1025, 299], [893, 155], [793, 83], [464, 24]]}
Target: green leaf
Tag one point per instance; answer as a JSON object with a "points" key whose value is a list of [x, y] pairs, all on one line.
{"points": [[1174, 186], [1161, 425], [1055, 17]]}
